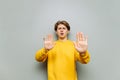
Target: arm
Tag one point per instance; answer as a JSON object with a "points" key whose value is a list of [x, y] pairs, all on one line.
{"points": [[84, 58], [41, 55], [81, 46]]}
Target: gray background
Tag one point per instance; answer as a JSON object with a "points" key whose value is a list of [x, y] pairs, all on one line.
{"points": [[23, 24]]}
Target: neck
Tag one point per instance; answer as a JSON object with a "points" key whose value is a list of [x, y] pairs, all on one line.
{"points": [[62, 39]]}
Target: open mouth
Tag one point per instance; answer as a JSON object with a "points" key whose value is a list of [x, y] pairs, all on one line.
{"points": [[61, 33]]}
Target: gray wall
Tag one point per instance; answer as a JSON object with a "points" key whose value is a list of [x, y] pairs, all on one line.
{"points": [[23, 24]]}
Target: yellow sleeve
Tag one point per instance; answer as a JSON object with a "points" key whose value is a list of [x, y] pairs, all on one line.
{"points": [[41, 55], [84, 58]]}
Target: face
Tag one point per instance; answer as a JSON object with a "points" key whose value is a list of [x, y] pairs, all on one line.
{"points": [[62, 31]]}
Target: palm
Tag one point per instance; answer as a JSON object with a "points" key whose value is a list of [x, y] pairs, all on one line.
{"points": [[48, 42], [81, 43]]}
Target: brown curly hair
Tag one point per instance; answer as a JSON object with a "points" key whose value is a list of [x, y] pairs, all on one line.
{"points": [[65, 23]]}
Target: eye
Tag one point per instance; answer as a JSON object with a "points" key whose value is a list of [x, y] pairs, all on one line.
{"points": [[64, 28], [59, 28]]}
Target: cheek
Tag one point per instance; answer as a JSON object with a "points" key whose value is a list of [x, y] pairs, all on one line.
{"points": [[57, 32], [66, 32]]}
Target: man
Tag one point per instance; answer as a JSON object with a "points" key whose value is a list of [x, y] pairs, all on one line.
{"points": [[62, 54]]}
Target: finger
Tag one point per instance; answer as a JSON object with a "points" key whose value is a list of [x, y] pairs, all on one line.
{"points": [[48, 37], [86, 39], [81, 36], [74, 43], [45, 38], [51, 37], [77, 37]]}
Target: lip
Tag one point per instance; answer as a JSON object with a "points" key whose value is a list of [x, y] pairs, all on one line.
{"points": [[61, 33]]}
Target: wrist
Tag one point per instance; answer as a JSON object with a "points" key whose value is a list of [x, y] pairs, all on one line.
{"points": [[46, 50], [82, 53]]}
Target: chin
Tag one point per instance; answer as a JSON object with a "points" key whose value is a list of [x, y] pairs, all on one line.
{"points": [[62, 37]]}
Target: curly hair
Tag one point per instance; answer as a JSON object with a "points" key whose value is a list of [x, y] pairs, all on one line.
{"points": [[65, 23]]}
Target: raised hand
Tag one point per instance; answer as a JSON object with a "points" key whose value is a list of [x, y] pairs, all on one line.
{"points": [[81, 43], [48, 42]]}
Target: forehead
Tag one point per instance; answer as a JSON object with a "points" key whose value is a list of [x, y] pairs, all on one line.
{"points": [[61, 25]]}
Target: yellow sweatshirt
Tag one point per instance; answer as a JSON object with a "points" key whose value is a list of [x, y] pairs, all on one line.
{"points": [[61, 60]]}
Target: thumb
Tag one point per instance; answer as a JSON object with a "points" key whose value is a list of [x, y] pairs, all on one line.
{"points": [[75, 44], [54, 43]]}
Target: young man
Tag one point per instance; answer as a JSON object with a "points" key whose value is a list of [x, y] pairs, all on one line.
{"points": [[62, 54]]}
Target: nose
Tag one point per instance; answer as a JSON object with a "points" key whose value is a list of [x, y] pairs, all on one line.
{"points": [[61, 30]]}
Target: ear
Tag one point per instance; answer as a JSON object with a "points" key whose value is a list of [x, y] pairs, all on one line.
{"points": [[68, 32], [56, 32]]}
